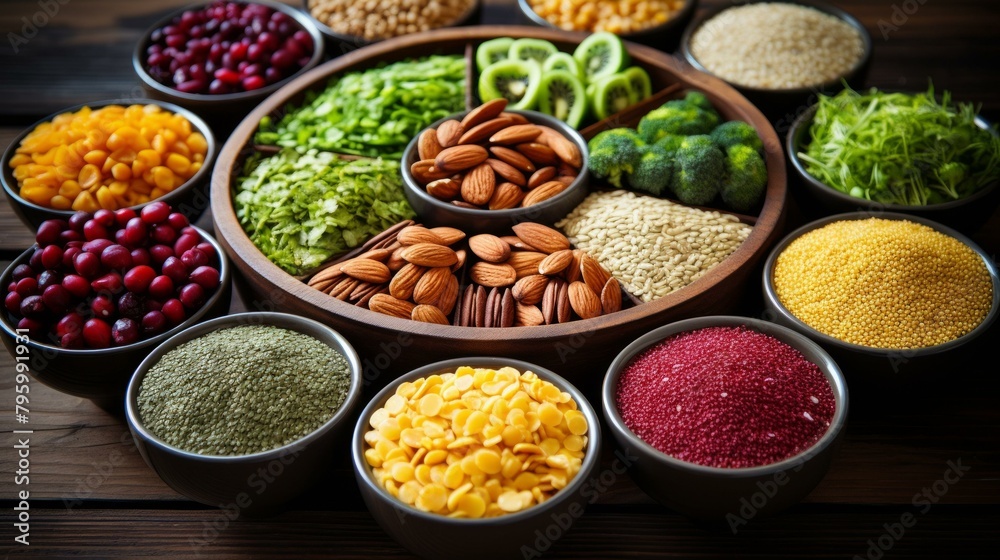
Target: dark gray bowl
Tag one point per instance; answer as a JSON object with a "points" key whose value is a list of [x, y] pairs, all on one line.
{"points": [[862, 362], [223, 111], [966, 213], [223, 480], [438, 537], [715, 494], [775, 102], [102, 375], [190, 199], [664, 36], [435, 212]]}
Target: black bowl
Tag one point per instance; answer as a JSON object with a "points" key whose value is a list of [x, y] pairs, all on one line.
{"points": [[778, 102], [965, 214], [101, 375], [223, 111], [190, 199]]}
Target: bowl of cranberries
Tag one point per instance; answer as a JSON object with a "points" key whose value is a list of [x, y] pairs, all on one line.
{"points": [[98, 292], [226, 55]]}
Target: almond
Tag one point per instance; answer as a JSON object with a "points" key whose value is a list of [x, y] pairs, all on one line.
{"points": [[363, 302], [562, 146], [528, 316], [490, 248], [516, 117], [513, 158], [572, 272], [611, 296], [593, 273], [449, 132], [478, 317], [460, 158], [431, 285], [449, 235], [556, 262], [428, 314], [539, 177], [396, 261], [550, 301], [484, 112], [517, 134], [449, 296], [342, 290], [430, 255], [424, 171], [566, 169], [530, 289], [493, 275], [479, 184], [506, 195], [460, 262], [463, 306], [484, 130], [508, 309], [388, 305], [464, 204], [543, 193], [563, 307], [516, 243], [490, 318], [367, 270], [525, 263], [565, 179], [380, 255], [361, 291], [411, 235], [584, 301], [543, 238], [538, 153], [428, 146], [507, 171], [326, 275], [402, 284], [444, 189]]}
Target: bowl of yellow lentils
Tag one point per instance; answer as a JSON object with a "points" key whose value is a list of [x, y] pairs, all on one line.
{"points": [[657, 23], [884, 293], [476, 457], [112, 155]]}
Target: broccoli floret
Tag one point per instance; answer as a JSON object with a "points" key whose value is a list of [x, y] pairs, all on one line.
{"points": [[614, 153], [670, 143], [699, 100], [652, 173], [746, 178], [734, 133], [699, 168], [677, 117]]}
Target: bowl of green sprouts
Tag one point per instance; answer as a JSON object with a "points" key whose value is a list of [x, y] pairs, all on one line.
{"points": [[917, 153]]}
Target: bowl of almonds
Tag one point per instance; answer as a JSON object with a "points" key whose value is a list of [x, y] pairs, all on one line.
{"points": [[487, 169]]}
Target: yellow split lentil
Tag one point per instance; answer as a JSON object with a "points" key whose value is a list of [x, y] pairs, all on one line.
{"points": [[111, 157], [476, 443], [624, 16], [884, 283]]}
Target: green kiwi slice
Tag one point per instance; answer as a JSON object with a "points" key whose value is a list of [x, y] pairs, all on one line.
{"points": [[612, 94], [492, 51], [515, 80], [601, 54], [562, 61], [561, 95], [531, 49], [639, 80]]}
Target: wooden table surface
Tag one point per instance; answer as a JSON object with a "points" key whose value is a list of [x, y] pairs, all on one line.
{"points": [[91, 495]]}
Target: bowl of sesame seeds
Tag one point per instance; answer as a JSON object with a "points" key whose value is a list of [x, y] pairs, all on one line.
{"points": [[887, 294], [724, 417]]}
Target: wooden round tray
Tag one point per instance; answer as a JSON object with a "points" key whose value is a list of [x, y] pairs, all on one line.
{"points": [[392, 345]]}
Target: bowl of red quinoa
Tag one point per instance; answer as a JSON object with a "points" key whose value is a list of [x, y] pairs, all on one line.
{"points": [[888, 295], [725, 418]]}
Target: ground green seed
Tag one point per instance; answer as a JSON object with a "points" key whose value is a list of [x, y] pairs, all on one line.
{"points": [[243, 390]]}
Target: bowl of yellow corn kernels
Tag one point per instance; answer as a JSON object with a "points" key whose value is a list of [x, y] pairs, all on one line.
{"points": [[469, 451], [657, 23], [886, 294], [109, 154]]}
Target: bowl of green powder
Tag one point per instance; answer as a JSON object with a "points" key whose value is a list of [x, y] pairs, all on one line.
{"points": [[244, 409]]}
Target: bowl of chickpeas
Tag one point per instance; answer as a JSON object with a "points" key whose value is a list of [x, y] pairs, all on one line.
{"points": [[477, 450], [109, 155], [657, 23], [348, 25]]}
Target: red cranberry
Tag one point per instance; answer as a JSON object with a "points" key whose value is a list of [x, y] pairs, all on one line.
{"points": [[159, 254], [34, 327], [123, 215], [153, 323], [131, 305], [76, 285], [12, 302], [94, 230], [110, 283], [87, 265], [178, 221], [174, 311], [163, 233], [175, 269], [102, 307], [192, 296], [105, 217], [140, 256], [26, 287], [70, 323], [162, 287], [48, 232], [78, 219], [116, 257], [23, 271], [97, 333], [48, 278], [185, 242], [33, 306], [206, 277], [97, 246], [135, 232], [194, 258], [139, 278], [68, 255], [56, 298], [124, 331], [155, 212]]}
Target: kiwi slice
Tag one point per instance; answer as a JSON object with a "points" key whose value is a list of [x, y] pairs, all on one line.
{"points": [[492, 51], [612, 94], [515, 80], [531, 49], [562, 61], [601, 54], [561, 95], [639, 80]]}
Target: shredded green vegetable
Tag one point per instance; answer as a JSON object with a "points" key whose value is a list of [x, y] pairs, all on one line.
{"points": [[300, 209], [374, 112], [898, 148]]}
